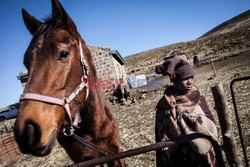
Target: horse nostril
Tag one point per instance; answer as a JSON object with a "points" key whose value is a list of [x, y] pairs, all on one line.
{"points": [[32, 133]]}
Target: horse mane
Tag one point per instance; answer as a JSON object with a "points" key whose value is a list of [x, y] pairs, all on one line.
{"points": [[48, 24]]}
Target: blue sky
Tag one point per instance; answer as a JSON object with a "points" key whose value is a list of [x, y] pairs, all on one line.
{"points": [[129, 26]]}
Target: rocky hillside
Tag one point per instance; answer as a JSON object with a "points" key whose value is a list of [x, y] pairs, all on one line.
{"points": [[242, 21], [228, 39]]}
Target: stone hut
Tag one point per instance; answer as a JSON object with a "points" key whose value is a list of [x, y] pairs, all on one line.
{"points": [[109, 64]]}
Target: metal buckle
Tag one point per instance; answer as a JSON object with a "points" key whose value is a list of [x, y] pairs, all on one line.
{"points": [[71, 131], [168, 113]]}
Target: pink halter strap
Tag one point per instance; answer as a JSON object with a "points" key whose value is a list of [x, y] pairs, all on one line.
{"points": [[65, 101]]}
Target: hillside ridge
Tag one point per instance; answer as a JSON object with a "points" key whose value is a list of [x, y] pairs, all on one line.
{"points": [[229, 23], [227, 39]]}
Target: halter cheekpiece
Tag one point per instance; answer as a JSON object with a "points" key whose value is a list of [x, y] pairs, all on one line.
{"points": [[66, 100]]}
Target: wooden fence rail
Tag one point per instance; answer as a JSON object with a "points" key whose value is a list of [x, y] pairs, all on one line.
{"points": [[137, 151]]}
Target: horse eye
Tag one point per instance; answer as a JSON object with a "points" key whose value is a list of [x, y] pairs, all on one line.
{"points": [[63, 55]]}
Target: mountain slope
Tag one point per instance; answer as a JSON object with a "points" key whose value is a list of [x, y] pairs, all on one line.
{"points": [[227, 39], [242, 21]]}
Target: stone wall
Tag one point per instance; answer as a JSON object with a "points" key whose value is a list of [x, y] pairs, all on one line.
{"points": [[108, 68]]}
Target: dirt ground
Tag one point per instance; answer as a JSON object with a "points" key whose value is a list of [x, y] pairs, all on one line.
{"points": [[136, 120]]}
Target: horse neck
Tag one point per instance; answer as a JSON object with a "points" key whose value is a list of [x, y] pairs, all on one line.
{"points": [[94, 110]]}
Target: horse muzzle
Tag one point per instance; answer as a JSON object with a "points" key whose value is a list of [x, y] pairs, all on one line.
{"points": [[29, 140]]}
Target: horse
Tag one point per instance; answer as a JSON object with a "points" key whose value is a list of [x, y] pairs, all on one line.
{"points": [[57, 102]]}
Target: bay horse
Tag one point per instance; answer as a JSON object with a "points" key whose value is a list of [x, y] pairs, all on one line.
{"points": [[57, 102]]}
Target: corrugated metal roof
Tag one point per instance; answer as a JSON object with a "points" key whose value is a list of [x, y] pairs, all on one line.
{"points": [[117, 56]]}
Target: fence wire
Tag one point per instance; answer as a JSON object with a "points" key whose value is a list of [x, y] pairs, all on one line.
{"points": [[9, 151]]}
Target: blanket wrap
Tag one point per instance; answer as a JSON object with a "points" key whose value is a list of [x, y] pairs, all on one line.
{"points": [[179, 115]]}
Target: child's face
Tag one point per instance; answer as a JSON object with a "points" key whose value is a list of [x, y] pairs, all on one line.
{"points": [[186, 85]]}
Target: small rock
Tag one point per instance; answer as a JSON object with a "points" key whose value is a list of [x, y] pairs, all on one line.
{"points": [[237, 75]]}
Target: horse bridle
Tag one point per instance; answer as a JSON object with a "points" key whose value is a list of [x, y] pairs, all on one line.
{"points": [[66, 100], [65, 104]]}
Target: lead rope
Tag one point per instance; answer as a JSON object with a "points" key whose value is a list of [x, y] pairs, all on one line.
{"points": [[92, 146]]}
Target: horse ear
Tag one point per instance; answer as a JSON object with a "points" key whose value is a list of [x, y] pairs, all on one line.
{"points": [[59, 14], [31, 22]]}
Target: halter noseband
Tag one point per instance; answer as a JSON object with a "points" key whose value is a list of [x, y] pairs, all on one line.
{"points": [[66, 100]]}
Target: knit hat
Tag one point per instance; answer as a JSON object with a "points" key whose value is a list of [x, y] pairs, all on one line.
{"points": [[176, 68]]}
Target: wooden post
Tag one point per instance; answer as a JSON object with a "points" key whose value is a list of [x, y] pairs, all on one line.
{"points": [[212, 63], [229, 144]]}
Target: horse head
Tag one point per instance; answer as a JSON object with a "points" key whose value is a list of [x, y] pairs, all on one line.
{"points": [[55, 69]]}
